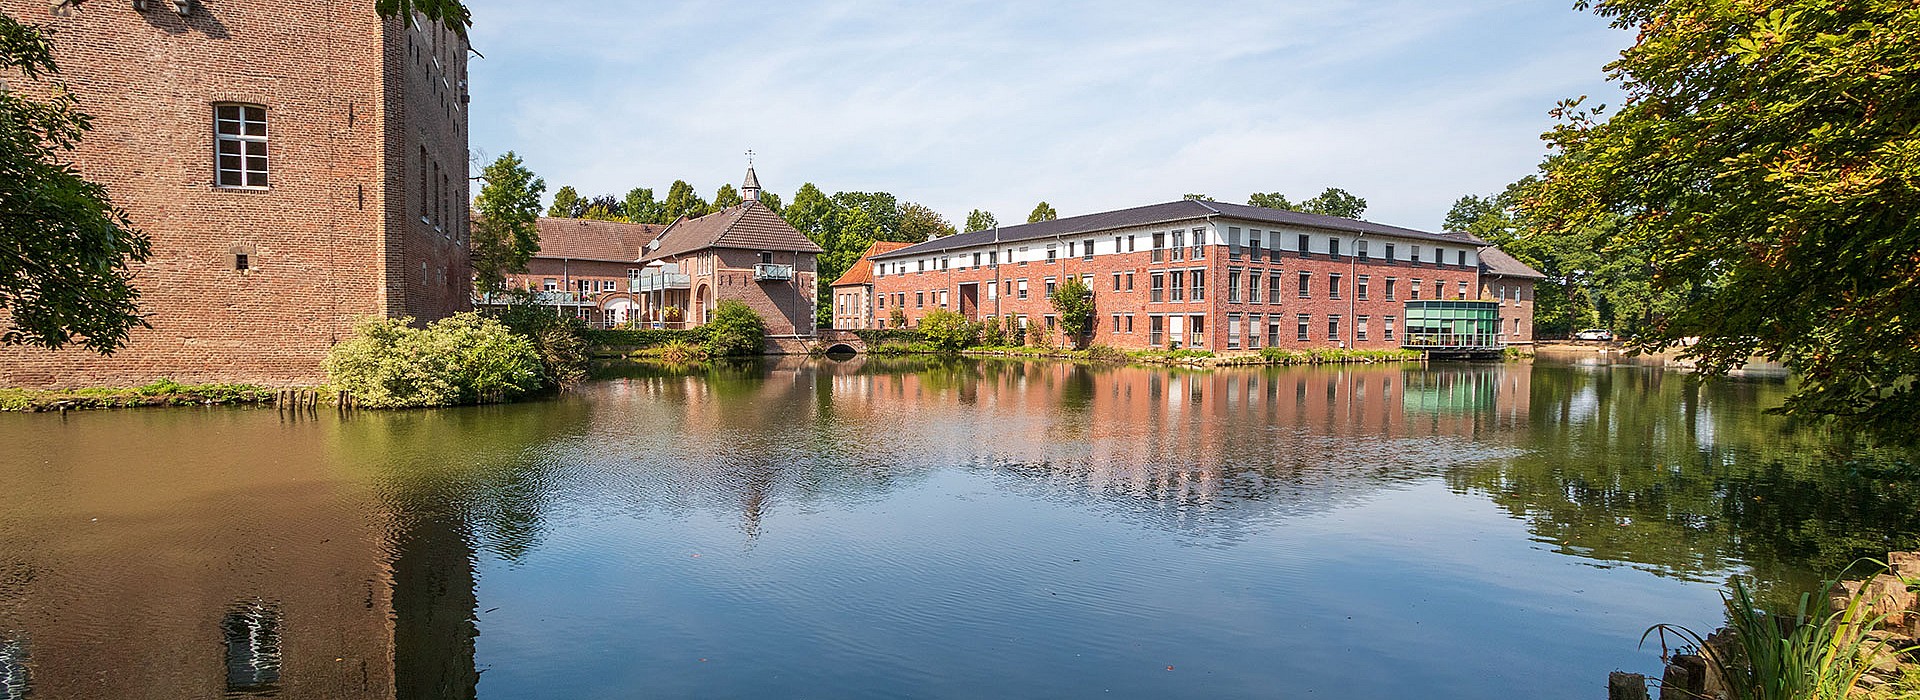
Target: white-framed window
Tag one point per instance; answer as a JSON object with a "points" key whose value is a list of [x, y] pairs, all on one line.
{"points": [[240, 145]]}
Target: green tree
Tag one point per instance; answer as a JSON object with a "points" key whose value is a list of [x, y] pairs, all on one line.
{"points": [[736, 329], [1042, 212], [642, 209], [682, 201], [875, 215], [948, 331], [64, 247], [919, 222], [1766, 165], [566, 204], [1073, 304], [1335, 202], [978, 220], [1197, 197], [505, 231], [451, 13], [1270, 200], [726, 197], [820, 219], [605, 207]]}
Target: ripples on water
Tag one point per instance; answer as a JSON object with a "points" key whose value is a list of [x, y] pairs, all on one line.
{"points": [[913, 528]]}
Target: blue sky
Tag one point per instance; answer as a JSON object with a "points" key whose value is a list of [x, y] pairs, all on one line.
{"points": [[1088, 105]]}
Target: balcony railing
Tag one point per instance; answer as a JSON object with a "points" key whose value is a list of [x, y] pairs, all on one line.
{"points": [[765, 272], [542, 298], [656, 281]]}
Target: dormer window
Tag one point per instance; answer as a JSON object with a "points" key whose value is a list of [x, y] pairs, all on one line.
{"points": [[240, 149]]}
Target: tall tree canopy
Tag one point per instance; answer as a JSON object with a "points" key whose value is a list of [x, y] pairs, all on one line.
{"points": [[919, 222], [1769, 165], [64, 248], [605, 207], [451, 13], [642, 209], [1042, 212], [1335, 202], [771, 200], [726, 197], [1270, 200], [682, 201], [978, 220], [566, 204], [505, 232]]}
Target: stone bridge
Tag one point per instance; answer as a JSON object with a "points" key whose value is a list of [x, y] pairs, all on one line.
{"points": [[830, 340]]}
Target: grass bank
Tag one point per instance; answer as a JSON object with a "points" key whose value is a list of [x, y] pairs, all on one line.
{"points": [[1184, 358], [165, 392]]}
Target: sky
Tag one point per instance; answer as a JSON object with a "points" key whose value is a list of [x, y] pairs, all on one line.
{"points": [[1090, 106]]}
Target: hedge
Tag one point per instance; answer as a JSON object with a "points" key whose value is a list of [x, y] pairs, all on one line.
{"points": [[881, 336]]}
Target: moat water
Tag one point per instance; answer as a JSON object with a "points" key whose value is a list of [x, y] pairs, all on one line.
{"points": [[922, 528]]}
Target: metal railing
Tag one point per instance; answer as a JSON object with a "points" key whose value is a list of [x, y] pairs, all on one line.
{"points": [[542, 298], [764, 272], [656, 281]]}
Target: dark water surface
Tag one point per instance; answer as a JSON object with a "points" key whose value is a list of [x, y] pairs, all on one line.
{"points": [[914, 528]]}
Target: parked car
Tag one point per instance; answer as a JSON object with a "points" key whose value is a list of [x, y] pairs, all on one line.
{"points": [[1594, 334]]}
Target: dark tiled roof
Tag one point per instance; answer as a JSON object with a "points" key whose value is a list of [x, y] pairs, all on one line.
{"points": [[1494, 261], [585, 239], [749, 225], [862, 270], [1168, 212]]}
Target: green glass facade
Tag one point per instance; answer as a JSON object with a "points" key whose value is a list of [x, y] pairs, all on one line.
{"points": [[1452, 324]]}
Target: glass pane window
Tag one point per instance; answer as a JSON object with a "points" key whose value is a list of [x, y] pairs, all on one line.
{"points": [[240, 145]]}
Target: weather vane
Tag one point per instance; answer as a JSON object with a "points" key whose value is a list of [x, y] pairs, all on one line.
{"points": [[749, 157]]}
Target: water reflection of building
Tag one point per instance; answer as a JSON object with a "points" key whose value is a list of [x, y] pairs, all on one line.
{"points": [[1186, 441], [242, 567]]}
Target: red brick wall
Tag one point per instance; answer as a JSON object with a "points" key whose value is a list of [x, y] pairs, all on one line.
{"points": [[1319, 304], [323, 240], [1516, 316], [787, 306]]}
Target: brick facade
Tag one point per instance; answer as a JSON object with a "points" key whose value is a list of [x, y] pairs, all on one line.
{"points": [[351, 103], [1246, 297]]}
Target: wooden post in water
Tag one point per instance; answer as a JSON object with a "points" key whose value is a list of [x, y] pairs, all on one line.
{"points": [[1627, 686]]}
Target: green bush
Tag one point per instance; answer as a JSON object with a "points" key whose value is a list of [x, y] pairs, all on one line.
{"points": [[643, 338], [882, 336], [464, 358], [560, 340], [948, 331], [680, 352], [992, 333], [736, 329]]}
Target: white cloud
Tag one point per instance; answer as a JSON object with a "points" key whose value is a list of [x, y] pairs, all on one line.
{"points": [[1087, 105]]}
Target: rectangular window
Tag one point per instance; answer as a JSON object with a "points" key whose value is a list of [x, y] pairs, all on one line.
{"points": [[1159, 287], [1360, 287], [549, 284], [1199, 244], [1304, 247], [1053, 252], [1333, 247], [1304, 320], [1116, 324], [1071, 246], [1273, 331], [1306, 285], [1023, 289], [1129, 242], [1390, 285], [1196, 330], [1273, 287], [1460, 258], [1200, 285], [1253, 244], [1414, 293], [1463, 289], [1233, 331], [1333, 286], [1129, 281], [1116, 281], [1086, 249], [1233, 243], [1360, 249], [919, 300], [1387, 330], [1050, 323], [976, 259], [1179, 245], [1156, 329], [1022, 258], [1333, 328], [1233, 286], [1416, 254], [1129, 323], [240, 262], [1179, 286], [943, 298], [240, 146], [1051, 285], [1254, 324], [992, 291], [1253, 286], [1360, 328], [1159, 246], [993, 257], [1389, 252]]}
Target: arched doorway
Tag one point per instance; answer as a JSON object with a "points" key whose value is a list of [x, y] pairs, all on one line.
{"points": [[699, 311]]}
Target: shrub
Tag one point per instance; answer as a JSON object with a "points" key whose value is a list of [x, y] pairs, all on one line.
{"points": [[881, 336], [993, 334], [1037, 335], [1073, 303], [643, 338], [948, 331], [464, 358], [897, 319], [559, 340], [681, 351], [1105, 353], [736, 329]]}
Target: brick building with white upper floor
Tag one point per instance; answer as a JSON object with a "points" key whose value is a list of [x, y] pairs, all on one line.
{"points": [[1193, 274]]}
